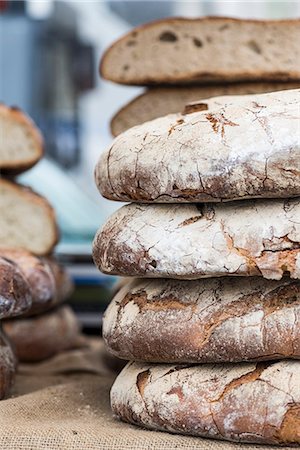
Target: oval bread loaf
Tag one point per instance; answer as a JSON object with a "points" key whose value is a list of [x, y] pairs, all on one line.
{"points": [[49, 282], [259, 237], [204, 321], [15, 293], [208, 49], [21, 144], [8, 365], [236, 147], [257, 403], [40, 337], [160, 101]]}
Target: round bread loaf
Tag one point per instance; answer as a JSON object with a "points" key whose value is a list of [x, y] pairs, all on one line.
{"points": [[212, 320], [15, 293], [43, 336], [258, 237], [257, 403], [8, 366], [49, 282], [230, 148]]}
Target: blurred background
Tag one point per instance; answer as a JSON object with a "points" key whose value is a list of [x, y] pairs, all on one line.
{"points": [[49, 57]]}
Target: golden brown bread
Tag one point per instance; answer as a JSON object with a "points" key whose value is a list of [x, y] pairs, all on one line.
{"points": [[204, 321], [258, 403]]}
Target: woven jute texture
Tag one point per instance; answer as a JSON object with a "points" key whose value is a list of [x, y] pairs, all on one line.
{"points": [[63, 404]]}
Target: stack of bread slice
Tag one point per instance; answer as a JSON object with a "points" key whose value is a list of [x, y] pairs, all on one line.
{"points": [[212, 239], [32, 284], [184, 60]]}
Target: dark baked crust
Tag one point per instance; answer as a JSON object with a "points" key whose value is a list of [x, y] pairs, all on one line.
{"points": [[8, 364], [50, 284], [206, 321], [15, 293], [40, 337]]}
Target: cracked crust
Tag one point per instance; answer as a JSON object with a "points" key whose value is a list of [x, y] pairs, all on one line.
{"points": [[49, 283], [40, 337], [260, 237], [208, 321], [182, 51], [256, 403], [160, 101], [15, 293], [8, 365], [240, 147]]}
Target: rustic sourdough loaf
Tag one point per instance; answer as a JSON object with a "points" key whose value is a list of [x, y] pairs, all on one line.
{"points": [[209, 49], [26, 220], [8, 365], [211, 320], [185, 241], [160, 101], [49, 282], [257, 403], [15, 293], [21, 144], [43, 336], [238, 147]]}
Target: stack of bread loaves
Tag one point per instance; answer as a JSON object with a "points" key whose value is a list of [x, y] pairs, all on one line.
{"points": [[183, 60], [31, 283], [213, 238]]}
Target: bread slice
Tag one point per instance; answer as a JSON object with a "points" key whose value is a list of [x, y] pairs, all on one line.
{"points": [[205, 321], [43, 336], [160, 101], [209, 49], [8, 366], [26, 220], [246, 238], [258, 403], [15, 293], [21, 144], [50, 284], [233, 147]]}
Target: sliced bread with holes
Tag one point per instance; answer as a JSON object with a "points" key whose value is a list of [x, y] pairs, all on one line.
{"points": [[160, 101], [209, 49], [204, 321], [193, 241], [21, 144], [225, 148], [258, 403], [27, 220]]}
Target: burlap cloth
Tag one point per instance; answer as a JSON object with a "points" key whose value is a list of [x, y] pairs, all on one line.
{"points": [[63, 404]]}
